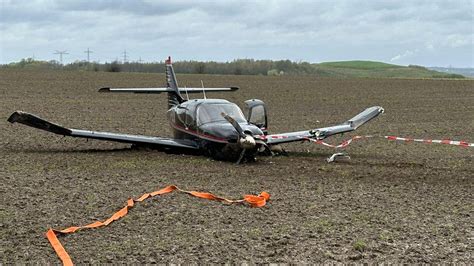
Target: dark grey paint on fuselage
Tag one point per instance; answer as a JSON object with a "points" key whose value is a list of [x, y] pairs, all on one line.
{"points": [[218, 137]]}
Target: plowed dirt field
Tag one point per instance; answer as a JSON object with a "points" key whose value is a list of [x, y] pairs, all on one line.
{"points": [[393, 202]]}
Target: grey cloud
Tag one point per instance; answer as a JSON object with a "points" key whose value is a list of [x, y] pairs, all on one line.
{"points": [[143, 8], [223, 30]]}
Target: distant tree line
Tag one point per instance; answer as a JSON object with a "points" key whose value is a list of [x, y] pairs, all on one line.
{"points": [[242, 67], [235, 67]]}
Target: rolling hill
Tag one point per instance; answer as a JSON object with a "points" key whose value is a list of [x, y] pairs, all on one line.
{"points": [[371, 69]]}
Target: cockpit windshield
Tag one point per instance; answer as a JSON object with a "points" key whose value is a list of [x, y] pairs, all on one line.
{"points": [[208, 113]]}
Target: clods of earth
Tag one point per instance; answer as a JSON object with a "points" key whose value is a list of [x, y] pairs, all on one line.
{"points": [[392, 202]]}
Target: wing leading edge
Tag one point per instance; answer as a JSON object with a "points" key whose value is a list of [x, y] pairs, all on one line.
{"points": [[37, 122], [322, 133]]}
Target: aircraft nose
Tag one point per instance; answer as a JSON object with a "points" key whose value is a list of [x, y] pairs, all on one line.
{"points": [[251, 129], [228, 132]]}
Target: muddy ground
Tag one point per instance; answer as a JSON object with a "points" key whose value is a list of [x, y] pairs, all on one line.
{"points": [[393, 202]]}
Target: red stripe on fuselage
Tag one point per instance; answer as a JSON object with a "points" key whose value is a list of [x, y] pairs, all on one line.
{"points": [[199, 135]]}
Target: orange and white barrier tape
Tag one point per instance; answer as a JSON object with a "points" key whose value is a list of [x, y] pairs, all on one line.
{"points": [[394, 138], [252, 200]]}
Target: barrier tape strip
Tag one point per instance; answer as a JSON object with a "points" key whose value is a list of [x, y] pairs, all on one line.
{"points": [[253, 200], [343, 144], [444, 141], [346, 143]]}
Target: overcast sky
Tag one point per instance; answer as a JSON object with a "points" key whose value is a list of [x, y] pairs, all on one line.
{"points": [[430, 33]]}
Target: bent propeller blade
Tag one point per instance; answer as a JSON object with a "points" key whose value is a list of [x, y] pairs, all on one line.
{"points": [[234, 124]]}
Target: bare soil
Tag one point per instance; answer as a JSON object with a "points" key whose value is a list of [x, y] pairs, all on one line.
{"points": [[393, 202]]}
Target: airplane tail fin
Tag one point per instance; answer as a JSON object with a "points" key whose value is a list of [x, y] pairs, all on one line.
{"points": [[174, 96]]}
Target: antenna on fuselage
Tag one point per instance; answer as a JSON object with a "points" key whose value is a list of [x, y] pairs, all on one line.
{"points": [[186, 90], [203, 90]]}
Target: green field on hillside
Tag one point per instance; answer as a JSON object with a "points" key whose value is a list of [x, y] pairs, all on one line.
{"points": [[371, 69], [358, 64]]}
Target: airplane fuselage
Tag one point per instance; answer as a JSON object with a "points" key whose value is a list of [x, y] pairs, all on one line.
{"points": [[200, 120]]}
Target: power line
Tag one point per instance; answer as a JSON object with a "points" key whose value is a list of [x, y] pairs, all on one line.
{"points": [[88, 52], [61, 53]]}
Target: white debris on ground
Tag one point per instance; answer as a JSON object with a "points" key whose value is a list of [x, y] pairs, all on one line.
{"points": [[338, 157]]}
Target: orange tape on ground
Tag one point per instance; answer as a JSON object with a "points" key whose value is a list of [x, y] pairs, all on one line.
{"points": [[252, 200]]}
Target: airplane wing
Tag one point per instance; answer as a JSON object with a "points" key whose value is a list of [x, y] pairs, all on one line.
{"points": [[36, 122], [161, 90], [322, 133]]}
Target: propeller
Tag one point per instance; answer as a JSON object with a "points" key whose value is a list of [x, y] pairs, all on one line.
{"points": [[246, 141]]}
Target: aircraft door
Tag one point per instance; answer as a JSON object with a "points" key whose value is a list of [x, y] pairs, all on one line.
{"points": [[256, 113]]}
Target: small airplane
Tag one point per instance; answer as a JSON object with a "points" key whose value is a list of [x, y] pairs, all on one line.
{"points": [[213, 127]]}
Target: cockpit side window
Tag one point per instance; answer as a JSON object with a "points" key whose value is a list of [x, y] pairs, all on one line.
{"points": [[184, 114]]}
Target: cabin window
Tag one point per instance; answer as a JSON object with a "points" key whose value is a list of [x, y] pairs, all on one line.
{"points": [[208, 113], [181, 115], [184, 115]]}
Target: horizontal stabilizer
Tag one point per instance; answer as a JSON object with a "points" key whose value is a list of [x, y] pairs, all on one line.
{"points": [[161, 90], [197, 90]]}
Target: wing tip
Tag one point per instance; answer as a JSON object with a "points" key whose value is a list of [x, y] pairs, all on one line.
{"points": [[104, 89], [234, 88], [37, 122], [14, 117]]}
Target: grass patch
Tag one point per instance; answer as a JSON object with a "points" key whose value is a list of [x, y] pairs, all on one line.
{"points": [[386, 236], [321, 225], [359, 245]]}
